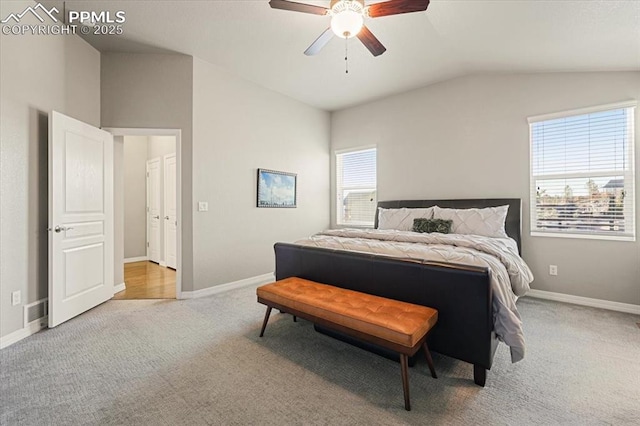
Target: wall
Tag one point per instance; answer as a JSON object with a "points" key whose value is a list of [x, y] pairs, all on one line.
{"points": [[135, 196], [37, 74], [237, 128], [469, 138], [154, 91], [159, 146]]}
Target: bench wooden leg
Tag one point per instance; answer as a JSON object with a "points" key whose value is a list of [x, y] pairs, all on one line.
{"points": [[266, 319], [405, 380], [429, 360]]}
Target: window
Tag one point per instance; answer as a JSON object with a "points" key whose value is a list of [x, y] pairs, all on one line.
{"points": [[356, 187], [582, 173]]}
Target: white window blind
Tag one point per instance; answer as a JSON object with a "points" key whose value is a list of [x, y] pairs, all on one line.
{"points": [[582, 173], [356, 187]]}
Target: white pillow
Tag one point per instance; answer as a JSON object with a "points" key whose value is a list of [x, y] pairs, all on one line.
{"points": [[401, 219], [488, 221]]}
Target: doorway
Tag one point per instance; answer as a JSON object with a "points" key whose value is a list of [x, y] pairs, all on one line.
{"points": [[147, 203]]}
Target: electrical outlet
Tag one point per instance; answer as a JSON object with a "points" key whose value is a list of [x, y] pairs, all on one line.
{"points": [[553, 270], [203, 206], [15, 298]]}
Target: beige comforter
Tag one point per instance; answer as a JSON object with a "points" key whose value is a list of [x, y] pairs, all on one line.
{"points": [[509, 274]]}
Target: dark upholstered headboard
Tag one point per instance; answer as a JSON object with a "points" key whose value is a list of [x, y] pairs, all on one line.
{"points": [[513, 224]]}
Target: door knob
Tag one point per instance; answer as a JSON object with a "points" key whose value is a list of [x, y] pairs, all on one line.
{"points": [[59, 228], [156, 217], [166, 217]]}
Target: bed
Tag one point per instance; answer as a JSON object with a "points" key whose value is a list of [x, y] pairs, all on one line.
{"points": [[462, 293]]}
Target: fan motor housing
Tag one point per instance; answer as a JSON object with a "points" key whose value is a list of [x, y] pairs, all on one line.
{"points": [[333, 3]]}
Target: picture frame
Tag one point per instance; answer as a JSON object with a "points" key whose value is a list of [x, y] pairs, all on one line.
{"points": [[276, 189]]}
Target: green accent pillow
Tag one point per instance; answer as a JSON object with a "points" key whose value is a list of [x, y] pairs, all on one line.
{"points": [[432, 225]]}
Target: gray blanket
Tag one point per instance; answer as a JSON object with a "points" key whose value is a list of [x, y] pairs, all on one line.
{"points": [[509, 274]]}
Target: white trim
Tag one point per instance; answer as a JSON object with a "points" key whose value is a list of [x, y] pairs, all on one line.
{"points": [[355, 149], [119, 287], [136, 259], [257, 280], [136, 131], [32, 328], [585, 301], [579, 111], [631, 185], [163, 263]]}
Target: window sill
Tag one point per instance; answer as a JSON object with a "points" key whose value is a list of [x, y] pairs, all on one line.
{"points": [[343, 225], [627, 238]]}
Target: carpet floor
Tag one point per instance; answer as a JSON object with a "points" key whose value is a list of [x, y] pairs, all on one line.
{"points": [[201, 362]]}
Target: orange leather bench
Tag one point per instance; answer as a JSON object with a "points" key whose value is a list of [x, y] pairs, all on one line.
{"points": [[398, 326]]}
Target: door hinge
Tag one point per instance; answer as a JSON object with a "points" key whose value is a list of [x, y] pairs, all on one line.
{"points": [[147, 243]]}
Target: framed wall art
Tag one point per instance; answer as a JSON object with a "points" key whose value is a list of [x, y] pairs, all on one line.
{"points": [[276, 189]]}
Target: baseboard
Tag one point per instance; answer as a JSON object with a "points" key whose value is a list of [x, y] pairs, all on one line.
{"points": [[32, 328], [586, 301], [163, 263], [260, 279], [136, 259], [119, 287]]}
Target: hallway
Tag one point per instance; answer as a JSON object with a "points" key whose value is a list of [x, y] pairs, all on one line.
{"points": [[148, 280]]}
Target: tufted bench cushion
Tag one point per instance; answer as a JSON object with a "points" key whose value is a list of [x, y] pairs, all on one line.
{"points": [[392, 324], [391, 320]]}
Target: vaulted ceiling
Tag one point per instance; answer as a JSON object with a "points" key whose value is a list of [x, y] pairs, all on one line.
{"points": [[452, 38]]}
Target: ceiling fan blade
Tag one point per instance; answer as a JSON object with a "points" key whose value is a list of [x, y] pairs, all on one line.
{"points": [[298, 7], [396, 7], [320, 42], [371, 42]]}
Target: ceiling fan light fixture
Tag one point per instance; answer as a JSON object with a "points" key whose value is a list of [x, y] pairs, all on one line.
{"points": [[347, 18]]}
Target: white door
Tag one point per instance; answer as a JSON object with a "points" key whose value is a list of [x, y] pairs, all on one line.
{"points": [[170, 213], [153, 210], [80, 217]]}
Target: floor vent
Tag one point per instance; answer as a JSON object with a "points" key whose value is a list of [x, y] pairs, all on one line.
{"points": [[34, 311]]}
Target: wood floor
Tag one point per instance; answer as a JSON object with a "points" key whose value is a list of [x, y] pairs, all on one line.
{"points": [[148, 280]]}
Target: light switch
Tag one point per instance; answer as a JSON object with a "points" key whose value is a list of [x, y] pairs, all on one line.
{"points": [[203, 206]]}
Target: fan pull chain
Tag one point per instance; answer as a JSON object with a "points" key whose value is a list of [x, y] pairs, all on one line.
{"points": [[346, 55]]}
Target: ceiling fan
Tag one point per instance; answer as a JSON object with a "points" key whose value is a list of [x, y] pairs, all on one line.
{"points": [[347, 19]]}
